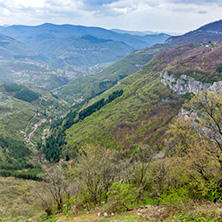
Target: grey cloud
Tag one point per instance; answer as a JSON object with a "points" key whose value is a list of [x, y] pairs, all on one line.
{"points": [[101, 8], [98, 2], [202, 12]]}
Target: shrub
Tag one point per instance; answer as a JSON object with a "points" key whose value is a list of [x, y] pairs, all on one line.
{"points": [[219, 68], [122, 197]]}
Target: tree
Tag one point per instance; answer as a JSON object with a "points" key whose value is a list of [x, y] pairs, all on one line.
{"points": [[138, 168], [53, 188], [190, 163], [209, 108], [97, 171], [196, 144]]}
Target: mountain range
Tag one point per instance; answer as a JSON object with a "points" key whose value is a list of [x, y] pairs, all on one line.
{"points": [[57, 53], [131, 105], [88, 86], [198, 60]]}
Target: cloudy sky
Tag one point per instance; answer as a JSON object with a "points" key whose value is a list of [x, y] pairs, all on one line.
{"points": [[156, 15]]}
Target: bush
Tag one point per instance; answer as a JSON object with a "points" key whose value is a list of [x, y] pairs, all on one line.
{"points": [[122, 197], [174, 197], [219, 68]]}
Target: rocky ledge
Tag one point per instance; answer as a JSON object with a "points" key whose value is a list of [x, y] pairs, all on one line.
{"points": [[186, 84]]}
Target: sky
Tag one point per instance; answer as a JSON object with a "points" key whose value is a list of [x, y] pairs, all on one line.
{"points": [[177, 16]]}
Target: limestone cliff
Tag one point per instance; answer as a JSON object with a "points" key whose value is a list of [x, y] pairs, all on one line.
{"points": [[186, 84]]}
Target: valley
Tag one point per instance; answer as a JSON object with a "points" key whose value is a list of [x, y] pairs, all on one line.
{"points": [[139, 139]]}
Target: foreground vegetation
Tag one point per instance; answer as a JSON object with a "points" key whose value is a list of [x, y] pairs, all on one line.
{"points": [[184, 184]]}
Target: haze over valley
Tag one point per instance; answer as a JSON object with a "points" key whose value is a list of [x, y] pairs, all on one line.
{"points": [[121, 123]]}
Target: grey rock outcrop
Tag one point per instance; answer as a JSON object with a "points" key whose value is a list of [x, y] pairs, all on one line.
{"points": [[186, 84]]}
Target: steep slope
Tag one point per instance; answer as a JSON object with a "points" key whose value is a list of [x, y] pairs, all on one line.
{"points": [[108, 77], [142, 113], [140, 116]]}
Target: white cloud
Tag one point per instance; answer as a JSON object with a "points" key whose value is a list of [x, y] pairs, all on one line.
{"points": [[21, 4], [156, 15]]}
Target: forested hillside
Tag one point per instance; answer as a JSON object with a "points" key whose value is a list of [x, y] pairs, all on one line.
{"points": [[92, 85], [25, 116], [143, 138], [146, 106], [153, 152]]}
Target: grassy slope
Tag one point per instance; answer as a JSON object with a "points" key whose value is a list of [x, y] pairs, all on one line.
{"points": [[143, 112], [139, 116]]}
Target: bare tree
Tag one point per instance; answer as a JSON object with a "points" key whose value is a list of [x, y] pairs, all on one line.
{"points": [[53, 188], [97, 171]]}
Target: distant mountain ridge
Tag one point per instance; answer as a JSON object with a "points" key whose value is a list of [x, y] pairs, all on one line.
{"points": [[33, 35], [141, 33], [92, 85], [209, 32], [85, 51], [11, 48], [63, 43]]}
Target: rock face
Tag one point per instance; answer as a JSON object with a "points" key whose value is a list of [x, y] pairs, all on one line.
{"points": [[186, 84], [185, 115]]}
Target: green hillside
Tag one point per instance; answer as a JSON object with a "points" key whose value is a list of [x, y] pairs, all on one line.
{"points": [[21, 108], [11, 49], [130, 149], [89, 86], [141, 115], [97, 83]]}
